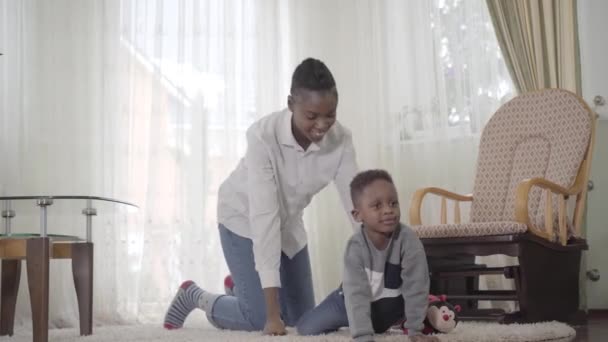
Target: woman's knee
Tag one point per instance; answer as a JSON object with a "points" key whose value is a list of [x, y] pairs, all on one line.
{"points": [[255, 316], [257, 323]]}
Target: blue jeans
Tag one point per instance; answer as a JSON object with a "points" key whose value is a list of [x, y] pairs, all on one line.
{"points": [[331, 315], [328, 316], [246, 310]]}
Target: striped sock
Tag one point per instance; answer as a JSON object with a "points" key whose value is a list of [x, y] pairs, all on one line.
{"points": [[186, 299]]}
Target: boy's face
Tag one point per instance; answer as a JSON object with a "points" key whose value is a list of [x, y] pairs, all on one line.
{"points": [[378, 207], [314, 112]]}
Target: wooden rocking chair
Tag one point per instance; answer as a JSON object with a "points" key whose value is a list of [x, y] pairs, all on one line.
{"points": [[534, 155]]}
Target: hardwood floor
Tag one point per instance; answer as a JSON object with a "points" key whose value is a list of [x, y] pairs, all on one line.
{"points": [[596, 329]]}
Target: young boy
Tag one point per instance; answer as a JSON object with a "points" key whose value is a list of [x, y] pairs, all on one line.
{"points": [[386, 276]]}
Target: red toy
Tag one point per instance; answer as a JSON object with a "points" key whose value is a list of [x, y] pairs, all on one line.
{"points": [[441, 316]]}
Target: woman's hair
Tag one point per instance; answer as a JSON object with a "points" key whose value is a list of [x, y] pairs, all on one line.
{"points": [[312, 74]]}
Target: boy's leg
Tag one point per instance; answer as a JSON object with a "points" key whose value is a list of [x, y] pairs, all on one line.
{"points": [[329, 316], [387, 314], [296, 293], [247, 309]]}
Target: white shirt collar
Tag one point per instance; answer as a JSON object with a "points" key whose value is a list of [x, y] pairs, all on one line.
{"points": [[286, 135]]}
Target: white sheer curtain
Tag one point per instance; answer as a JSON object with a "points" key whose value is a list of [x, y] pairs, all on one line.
{"points": [[417, 81], [148, 101]]}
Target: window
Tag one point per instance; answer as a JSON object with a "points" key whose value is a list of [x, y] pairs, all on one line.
{"points": [[469, 78]]}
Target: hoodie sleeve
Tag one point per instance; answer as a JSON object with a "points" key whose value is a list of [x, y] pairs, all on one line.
{"points": [[357, 293], [415, 275]]}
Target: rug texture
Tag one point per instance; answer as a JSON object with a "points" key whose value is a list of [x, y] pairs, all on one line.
{"points": [[465, 331]]}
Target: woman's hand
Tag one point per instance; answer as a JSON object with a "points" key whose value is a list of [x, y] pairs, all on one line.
{"points": [[274, 325]]}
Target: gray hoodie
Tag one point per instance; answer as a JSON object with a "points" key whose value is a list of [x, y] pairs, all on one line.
{"points": [[382, 287]]}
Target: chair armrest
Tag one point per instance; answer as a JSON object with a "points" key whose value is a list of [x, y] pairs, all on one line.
{"points": [[416, 203], [521, 206]]}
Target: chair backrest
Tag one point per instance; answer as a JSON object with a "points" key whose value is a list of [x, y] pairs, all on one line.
{"points": [[546, 134]]}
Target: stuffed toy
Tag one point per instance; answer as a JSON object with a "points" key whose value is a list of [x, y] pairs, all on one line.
{"points": [[441, 316]]}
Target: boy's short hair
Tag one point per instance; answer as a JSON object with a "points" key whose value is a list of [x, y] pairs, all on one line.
{"points": [[365, 178], [312, 74]]}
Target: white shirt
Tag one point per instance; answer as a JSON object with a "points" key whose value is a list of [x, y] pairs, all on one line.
{"points": [[263, 199]]}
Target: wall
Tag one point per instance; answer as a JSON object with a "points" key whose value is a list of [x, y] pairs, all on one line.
{"points": [[594, 50]]}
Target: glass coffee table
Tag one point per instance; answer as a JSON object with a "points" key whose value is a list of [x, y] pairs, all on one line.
{"points": [[37, 249]]}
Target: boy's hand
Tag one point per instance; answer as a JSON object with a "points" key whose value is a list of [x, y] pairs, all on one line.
{"points": [[424, 338], [274, 327]]}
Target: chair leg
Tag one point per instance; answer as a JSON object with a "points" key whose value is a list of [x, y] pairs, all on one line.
{"points": [[82, 269], [38, 282], [548, 287], [11, 275], [453, 285], [472, 285]]}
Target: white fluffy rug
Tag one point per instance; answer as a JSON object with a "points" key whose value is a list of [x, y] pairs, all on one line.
{"points": [[466, 331]]}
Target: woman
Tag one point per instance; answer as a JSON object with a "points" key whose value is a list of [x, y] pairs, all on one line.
{"points": [[291, 156]]}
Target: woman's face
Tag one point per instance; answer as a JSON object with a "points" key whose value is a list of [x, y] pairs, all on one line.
{"points": [[314, 112]]}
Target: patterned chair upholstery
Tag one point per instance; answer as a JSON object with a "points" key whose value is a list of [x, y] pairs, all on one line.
{"points": [[534, 155]]}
